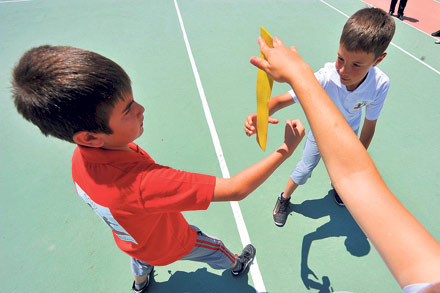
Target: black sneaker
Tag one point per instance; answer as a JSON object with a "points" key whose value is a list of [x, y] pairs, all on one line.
{"points": [[280, 212], [245, 258], [400, 16], [145, 288], [338, 200], [436, 34]]}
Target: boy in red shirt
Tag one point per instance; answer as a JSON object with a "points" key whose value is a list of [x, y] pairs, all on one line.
{"points": [[84, 98]]}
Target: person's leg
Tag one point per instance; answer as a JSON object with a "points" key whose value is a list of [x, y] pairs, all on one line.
{"points": [[290, 188], [141, 279], [141, 273], [299, 176], [211, 250], [393, 6], [402, 4], [304, 168]]}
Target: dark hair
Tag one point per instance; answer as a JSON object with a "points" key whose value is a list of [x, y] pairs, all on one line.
{"points": [[370, 30], [64, 90]]}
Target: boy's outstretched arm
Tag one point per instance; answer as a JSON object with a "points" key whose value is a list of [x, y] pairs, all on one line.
{"points": [[242, 184], [275, 103], [367, 132], [408, 249]]}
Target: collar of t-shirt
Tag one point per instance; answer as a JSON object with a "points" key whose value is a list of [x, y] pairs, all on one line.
{"points": [[98, 155]]}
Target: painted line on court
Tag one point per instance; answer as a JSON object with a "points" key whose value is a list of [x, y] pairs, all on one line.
{"points": [[404, 51], [244, 235], [13, 1]]}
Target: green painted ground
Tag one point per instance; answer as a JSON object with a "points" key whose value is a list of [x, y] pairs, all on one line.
{"points": [[51, 241]]}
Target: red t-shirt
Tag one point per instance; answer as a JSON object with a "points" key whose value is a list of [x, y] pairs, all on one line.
{"points": [[142, 201]]}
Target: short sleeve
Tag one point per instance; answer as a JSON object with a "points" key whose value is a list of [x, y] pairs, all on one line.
{"points": [[372, 110], [164, 189], [322, 77]]}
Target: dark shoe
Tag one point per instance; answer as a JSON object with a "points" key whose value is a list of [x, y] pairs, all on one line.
{"points": [[338, 200], [390, 12], [400, 16], [145, 288], [245, 258], [280, 211], [436, 34]]}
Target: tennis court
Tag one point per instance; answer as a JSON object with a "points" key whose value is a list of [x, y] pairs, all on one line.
{"points": [[189, 65]]}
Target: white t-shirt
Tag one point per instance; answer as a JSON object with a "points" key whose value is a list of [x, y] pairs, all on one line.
{"points": [[370, 94]]}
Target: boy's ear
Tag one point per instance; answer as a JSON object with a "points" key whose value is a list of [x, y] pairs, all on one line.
{"points": [[89, 139], [379, 59]]}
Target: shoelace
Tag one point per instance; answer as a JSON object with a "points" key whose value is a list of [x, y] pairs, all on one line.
{"points": [[246, 255], [283, 204]]}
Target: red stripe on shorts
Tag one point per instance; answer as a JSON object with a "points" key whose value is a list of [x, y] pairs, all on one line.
{"points": [[218, 247]]}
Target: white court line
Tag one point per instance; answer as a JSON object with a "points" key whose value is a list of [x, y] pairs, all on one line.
{"points": [[244, 235], [13, 1], [404, 51]]}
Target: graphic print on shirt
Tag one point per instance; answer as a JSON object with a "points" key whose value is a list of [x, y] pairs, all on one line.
{"points": [[361, 104], [105, 215]]}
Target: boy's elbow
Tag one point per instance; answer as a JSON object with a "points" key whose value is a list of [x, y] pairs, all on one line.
{"points": [[236, 193], [227, 189], [240, 195]]}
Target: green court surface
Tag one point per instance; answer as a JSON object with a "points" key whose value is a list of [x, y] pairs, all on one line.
{"points": [[51, 241]]}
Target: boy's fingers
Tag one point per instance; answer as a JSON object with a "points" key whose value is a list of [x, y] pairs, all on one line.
{"points": [[273, 120], [297, 124], [293, 49], [277, 42], [293, 123], [249, 122], [258, 62], [263, 45], [248, 132]]}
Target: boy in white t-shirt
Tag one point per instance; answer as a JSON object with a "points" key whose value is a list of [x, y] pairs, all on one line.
{"points": [[352, 82]]}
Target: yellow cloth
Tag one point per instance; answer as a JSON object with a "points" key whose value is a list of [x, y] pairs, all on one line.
{"points": [[264, 90]]}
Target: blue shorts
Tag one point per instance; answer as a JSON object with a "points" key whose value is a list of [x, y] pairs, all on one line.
{"points": [[208, 249]]}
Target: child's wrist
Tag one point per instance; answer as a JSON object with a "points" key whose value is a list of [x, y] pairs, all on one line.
{"points": [[285, 150]]}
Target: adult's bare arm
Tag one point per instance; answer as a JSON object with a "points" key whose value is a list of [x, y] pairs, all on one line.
{"points": [[408, 249]]}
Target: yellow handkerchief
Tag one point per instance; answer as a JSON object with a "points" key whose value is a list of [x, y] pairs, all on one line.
{"points": [[264, 90]]}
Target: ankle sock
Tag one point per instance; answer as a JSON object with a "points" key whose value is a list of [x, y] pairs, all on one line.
{"points": [[238, 266], [140, 285]]}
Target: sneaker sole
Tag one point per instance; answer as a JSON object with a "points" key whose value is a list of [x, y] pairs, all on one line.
{"points": [[279, 224], [339, 204]]}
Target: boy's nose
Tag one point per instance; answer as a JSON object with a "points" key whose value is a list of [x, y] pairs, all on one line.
{"points": [[141, 109], [343, 70]]}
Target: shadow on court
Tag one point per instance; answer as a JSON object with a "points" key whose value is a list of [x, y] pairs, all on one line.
{"points": [[202, 281], [341, 224], [410, 19]]}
